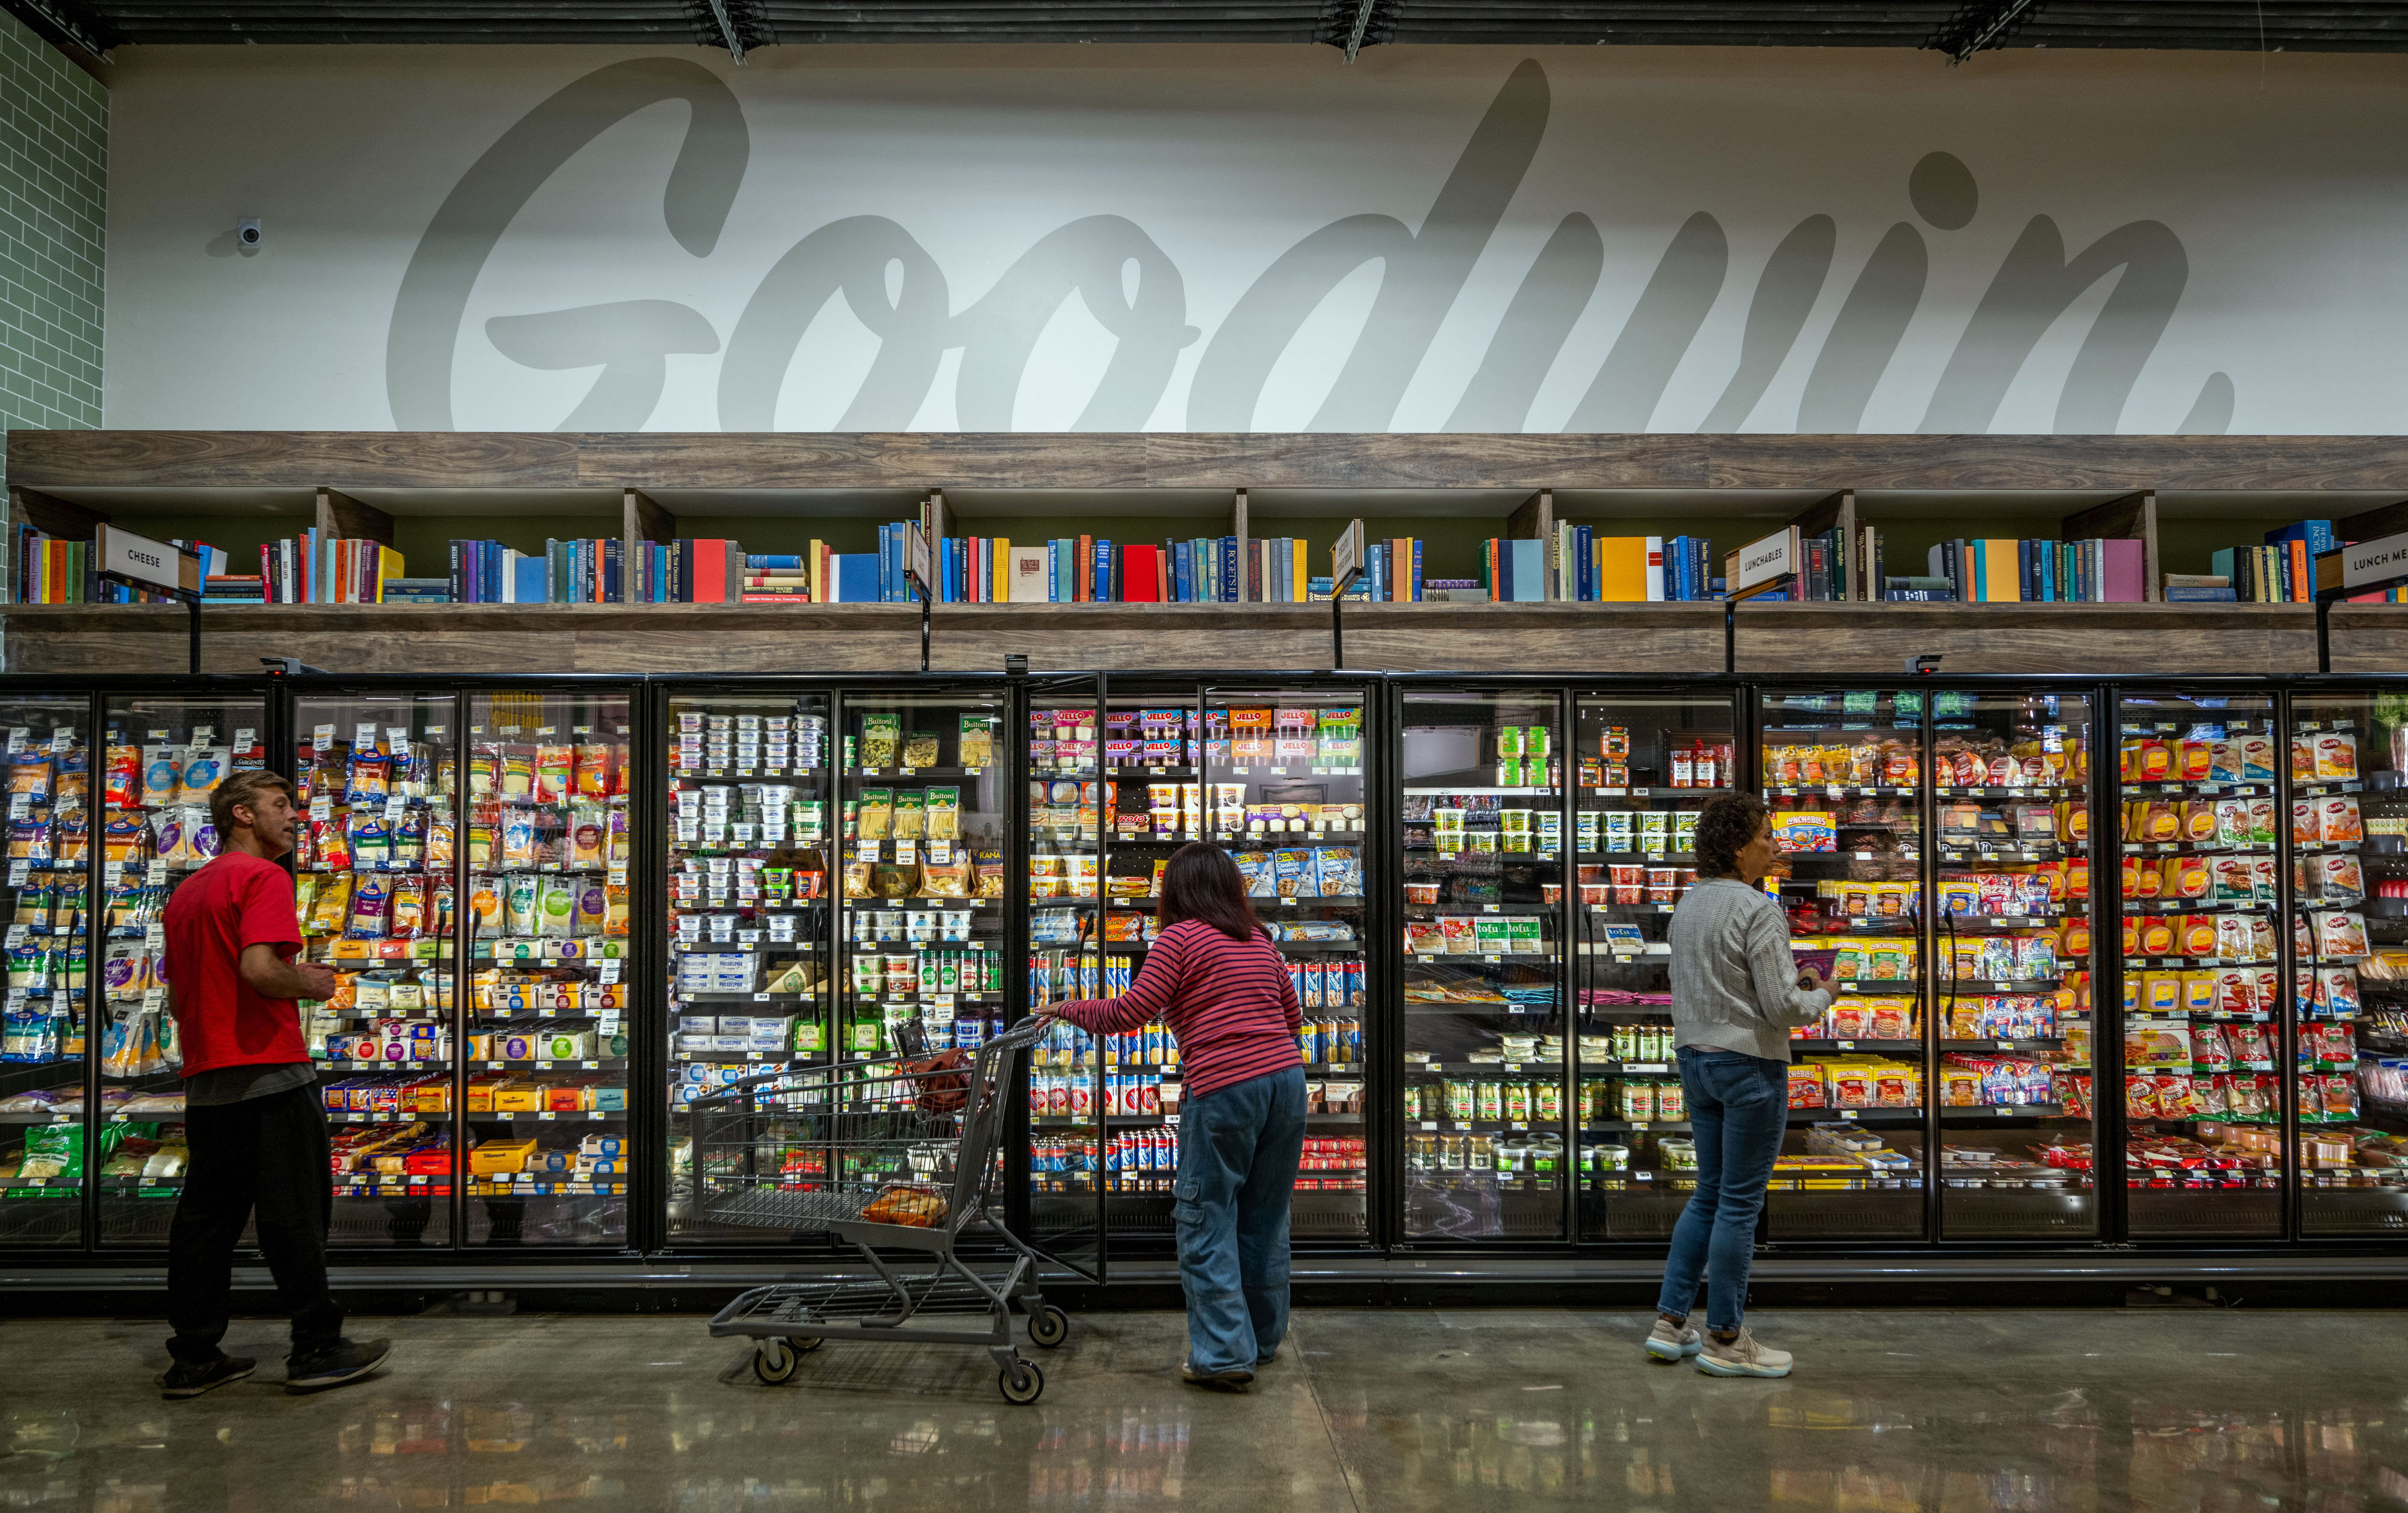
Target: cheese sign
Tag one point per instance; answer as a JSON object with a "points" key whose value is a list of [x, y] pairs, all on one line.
{"points": [[147, 564], [1346, 559], [2374, 563]]}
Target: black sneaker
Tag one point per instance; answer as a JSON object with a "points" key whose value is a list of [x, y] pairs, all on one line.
{"points": [[345, 1360], [190, 1378]]}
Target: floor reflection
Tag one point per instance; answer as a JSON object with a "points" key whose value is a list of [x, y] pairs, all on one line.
{"points": [[1398, 1410]]}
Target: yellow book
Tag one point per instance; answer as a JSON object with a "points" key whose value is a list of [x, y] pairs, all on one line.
{"points": [[2005, 576], [1297, 580], [1622, 569], [1002, 570], [814, 591]]}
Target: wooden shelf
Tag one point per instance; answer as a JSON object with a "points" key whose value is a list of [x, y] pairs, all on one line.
{"points": [[1844, 639], [501, 460]]}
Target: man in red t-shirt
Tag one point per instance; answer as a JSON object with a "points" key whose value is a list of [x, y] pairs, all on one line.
{"points": [[252, 1115]]}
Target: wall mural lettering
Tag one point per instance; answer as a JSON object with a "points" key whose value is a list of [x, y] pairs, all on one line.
{"points": [[1136, 291]]}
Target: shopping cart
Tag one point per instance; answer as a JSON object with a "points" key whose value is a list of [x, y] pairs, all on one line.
{"points": [[881, 1157]]}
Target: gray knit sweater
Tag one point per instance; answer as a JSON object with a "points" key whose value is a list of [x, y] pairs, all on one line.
{"points": [[1734, 982]]}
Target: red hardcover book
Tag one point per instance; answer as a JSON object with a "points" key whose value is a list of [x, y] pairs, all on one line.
{"points": [[1138, 575], [710, 570]]}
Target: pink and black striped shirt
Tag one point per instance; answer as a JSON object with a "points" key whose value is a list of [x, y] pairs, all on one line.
{"points": [[1231, 1002]]}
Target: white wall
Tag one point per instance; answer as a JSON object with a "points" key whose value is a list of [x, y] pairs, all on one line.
{"points": [[2263, 200]]}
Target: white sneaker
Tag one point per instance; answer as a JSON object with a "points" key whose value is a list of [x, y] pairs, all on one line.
{"points": [[1671, 1342], [1742, 1357]]}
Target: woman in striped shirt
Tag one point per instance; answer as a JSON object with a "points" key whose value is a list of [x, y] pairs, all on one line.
{"points": [[1214, 977]]}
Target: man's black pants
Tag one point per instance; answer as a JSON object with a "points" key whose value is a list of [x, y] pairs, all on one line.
{"points": [[269, 1154]]}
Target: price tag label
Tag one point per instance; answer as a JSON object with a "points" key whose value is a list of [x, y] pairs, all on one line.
{"points": [[245, 737], [17, 734], [154, 999], [155, 937], [395, 806], [610, 969], [61, 738], [607, 1023], [321, 809], [17, 871], [19, 805]]}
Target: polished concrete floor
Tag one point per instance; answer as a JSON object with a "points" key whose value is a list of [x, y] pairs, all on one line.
{"points": [[2167, 1410]]}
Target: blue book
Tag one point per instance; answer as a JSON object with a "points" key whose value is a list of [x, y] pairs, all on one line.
{"points": [[2318, 534], [1529, 575], [2180, 593], [1181, 557], [1101, 591], [856, 577], [530, 574], [774, 562], [1228, 582]]}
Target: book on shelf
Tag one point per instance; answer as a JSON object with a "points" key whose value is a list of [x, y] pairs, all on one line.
{"points": [[2009, 570]]}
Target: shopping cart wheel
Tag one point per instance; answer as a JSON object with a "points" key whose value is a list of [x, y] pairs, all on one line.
{"points": [[1048, 1327], [774, 1361], [1022, 1382]]}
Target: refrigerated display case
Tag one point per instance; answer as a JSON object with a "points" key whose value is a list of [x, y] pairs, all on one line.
{"points": [[2010, 774], [543, 1119], [1842, 771], [2202, 894], [2349, 1001], [1643, 765], [374, 860], [1936, 841], [48, 883], [749, 890], [1484, 1050], [1285, 787]]}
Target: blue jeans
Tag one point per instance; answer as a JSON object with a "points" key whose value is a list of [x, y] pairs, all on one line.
{"points": [[1238, 1150], [1739, 1109]]}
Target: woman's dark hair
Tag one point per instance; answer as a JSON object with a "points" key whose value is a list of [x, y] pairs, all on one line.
{"points": [[1726, 823], [1203, 883]]}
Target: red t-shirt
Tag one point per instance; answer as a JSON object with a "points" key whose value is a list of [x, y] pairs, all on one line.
{"points": [[237, 900]]}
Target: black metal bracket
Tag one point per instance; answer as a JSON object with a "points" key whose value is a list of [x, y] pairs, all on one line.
{"points": [[924, 613], [1337, 632]]}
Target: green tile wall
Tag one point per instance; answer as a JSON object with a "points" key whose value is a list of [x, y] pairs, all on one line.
{"points": [[53, 199]]}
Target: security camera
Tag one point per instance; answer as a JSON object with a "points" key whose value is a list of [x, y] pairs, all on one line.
{"points": [[247, 231]]}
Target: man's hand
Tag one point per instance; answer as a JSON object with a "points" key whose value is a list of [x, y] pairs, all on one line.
{"points": [[1809, 980], [321, 981]]}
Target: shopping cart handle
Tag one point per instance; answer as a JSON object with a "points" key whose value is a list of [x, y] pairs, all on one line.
{"points": [[1023, 1034]]}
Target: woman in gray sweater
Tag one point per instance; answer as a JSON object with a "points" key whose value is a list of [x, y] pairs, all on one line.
{"points": [[1736, 994]]}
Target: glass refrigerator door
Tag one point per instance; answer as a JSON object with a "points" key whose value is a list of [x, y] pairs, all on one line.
{"points": [[2009, 777], [1071, 1174], [1842, 771], [751, 984], [1153, 805], [921, 809], [2349, 888], [1645, 767], [374, 873], [544, 1116], [1284, 792], [1484, 884], [47, 883], [2203, 973]]}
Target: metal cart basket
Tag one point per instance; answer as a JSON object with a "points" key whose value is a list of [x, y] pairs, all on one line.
{"points": [[882, 1157]]}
